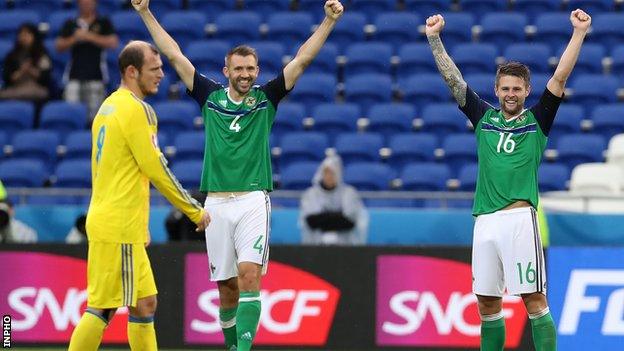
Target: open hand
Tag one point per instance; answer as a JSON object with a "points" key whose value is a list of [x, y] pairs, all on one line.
{"points": [[580, 19], [434, 25], [333, 9]]}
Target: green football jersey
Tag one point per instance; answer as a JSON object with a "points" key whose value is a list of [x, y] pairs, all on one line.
{"points": [[236, 154], [509, 151]]}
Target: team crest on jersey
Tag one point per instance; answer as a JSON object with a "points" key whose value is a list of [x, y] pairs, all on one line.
{"points": [[250, 101]]}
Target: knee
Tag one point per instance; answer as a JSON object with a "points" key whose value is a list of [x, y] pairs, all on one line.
{"points": [[489, 305], [249, 277], [145, 307], [228, 293], [535, 302]]}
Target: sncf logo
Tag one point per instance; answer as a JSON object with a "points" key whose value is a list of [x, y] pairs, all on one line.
{"points": [[434, 306], [297, 307]]}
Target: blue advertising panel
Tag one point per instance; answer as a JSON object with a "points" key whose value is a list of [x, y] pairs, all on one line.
{"points": [[586, 295]]}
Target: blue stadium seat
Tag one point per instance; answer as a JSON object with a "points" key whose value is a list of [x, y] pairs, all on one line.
{"points": [[229, 27], [479, 7], [313, 89], [207, 55], [289, 118], [475, 57], [419, 90], [534, 7], [443, 119], [359, 147], [390, 119], [23, 173], [211, 7], [11, 20], [370, 57], [575, 149], [302, 146], [73, 174], [185, 26], [589, 60], [188, 173], [332, 118], [106, 7], [483, 85], [411, 147], [57, 19], [163, 90], [608, 120], [16, 115], [298, 176], [59, 63], [553, 29], [534, 55], [468, 177], [617, 68], [415, 58], [325, 61], [591, 6], [459, 150], [369, 176], [593, 89], [538, 84], [552, 177], [500, 28], [608, 29], [162, 7], [4, 140], [36, 144], [457, 29], [189, 146], [270, 55], [63, 117], [42, 7], [396, 28], [78, 145], [267, 7], [289, 28], [368, 89], [349, 30], [5, 47], [425, 176], [129, 26], [372, 7], [567, 121], [175, 116], [428, 7]]}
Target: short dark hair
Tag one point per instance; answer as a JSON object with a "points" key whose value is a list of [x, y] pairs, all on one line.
{"points": [[241, 50], [133, 55], [515, 69]]}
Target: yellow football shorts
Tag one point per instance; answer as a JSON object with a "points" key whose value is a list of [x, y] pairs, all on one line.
{"points": [[118, 274]]}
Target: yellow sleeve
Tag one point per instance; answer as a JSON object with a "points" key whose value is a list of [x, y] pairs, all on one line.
{"points": [[140, 134]]}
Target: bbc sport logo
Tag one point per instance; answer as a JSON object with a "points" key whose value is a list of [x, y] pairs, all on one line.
{"points": [[587, 297]]}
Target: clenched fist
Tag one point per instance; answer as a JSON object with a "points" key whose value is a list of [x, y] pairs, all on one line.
{"points": [[333, 9], [434, 25]]}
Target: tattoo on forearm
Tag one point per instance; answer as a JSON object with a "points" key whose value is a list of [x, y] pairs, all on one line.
{"points": [[451, 74]]}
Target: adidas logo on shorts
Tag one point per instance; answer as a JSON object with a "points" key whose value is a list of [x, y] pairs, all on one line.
{"points": [[246, 336]]}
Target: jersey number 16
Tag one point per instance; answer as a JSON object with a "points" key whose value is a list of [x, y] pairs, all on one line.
{"points": [[506, 143]]}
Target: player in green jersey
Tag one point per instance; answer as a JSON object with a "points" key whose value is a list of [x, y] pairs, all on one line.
{"points": [[507, 252], [237, 166]]}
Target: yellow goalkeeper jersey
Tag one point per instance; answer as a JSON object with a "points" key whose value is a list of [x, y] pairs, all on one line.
{"points": [[125, 157]]}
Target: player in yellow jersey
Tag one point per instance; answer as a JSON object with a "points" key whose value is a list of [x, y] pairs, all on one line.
{"points": [[125, 158]]}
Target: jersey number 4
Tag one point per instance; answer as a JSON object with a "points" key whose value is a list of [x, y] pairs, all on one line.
{"points": [[506, 143], [234, 125]]}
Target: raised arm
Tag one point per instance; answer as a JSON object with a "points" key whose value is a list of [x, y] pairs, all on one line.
{"points": [[308, 51], [166, 44], [581, 22], [449, 71]]}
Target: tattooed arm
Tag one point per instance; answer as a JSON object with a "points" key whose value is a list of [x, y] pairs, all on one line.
{"points": [[449, 71]]}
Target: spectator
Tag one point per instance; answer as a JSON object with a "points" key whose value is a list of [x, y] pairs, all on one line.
{"points": [[78, 233], [27, 67], [180, 227], [332, 212], [87, 36], [11, 229]]}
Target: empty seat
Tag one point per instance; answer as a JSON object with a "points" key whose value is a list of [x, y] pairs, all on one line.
{"points": [[608, 29], [57, 20], [298, 176], [332, 119], [596, 179], [534, 7], [372, 7], [63, 117], [313, 89], [36, 144], [575, 149], [302, 146], [78, 145], [410, 147], [23, 173], [16, 115], [617, 67], [11, 20], [188, 173], [266, 7], [396, 28], [415, 58], [390, 119], [289, 28], [189, 146], [162, 7], [483, 85], [185, 26], [270, 55], [369, 176], [457, 29], [553, 29], [359, 147], [500, 28], [229, 27], [367, 58], [459, 150], [289, 118], [443, 119], [475, 58], [534, 55], [428, 7], [479, 7], [368, 89], [106, 7], [73, 174], [129, 26], [207, 55], [467, 176], [175, 116], [211, 7], [567, 121], [608, 120], [590, 90], [589, 60], [591, 6], [552, 177], [42, 7], [349, 30], [538, 84], [419, 90], [425, 176]]}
